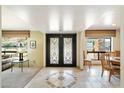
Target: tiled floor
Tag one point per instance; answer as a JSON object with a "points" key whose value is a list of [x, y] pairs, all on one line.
{"points": [[17, 79], [72, 78]]}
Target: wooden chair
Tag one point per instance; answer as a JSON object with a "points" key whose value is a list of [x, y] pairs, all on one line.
{"points": [[112, 54], [117, 53], [86, 61], [106, 65], [115, 70]]}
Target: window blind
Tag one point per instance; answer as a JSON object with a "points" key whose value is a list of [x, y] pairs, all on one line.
{"points": [[100, 33], [15, 33]]}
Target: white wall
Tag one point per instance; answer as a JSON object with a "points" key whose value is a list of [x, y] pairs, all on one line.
{"points": [[116, 41], [122, 46], [122, 56]]}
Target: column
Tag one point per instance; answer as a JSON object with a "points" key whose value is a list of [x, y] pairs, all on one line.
{"points": [[82, 48]]}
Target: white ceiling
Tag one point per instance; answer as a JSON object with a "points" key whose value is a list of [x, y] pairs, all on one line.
{"points": [[37, 18]]}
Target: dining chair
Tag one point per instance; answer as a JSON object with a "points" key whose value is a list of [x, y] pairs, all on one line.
{"points": [[115, 70], [112, 53], [107, 66], [117, 53], [87, 62]]}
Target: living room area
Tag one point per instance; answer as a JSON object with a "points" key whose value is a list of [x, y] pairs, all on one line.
{"points": [[20, 60]]}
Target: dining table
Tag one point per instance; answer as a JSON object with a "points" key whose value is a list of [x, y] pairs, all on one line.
{"points": [[115, 60], [97, 52]]}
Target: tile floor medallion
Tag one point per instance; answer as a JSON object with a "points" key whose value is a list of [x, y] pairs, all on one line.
{"points": [[61, 80]]}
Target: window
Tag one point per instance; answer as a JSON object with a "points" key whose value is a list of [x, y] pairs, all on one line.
{"points": [[10, 46], [98, 44]]}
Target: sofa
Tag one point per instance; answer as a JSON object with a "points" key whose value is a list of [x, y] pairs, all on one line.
{"points": [[6, 62]]}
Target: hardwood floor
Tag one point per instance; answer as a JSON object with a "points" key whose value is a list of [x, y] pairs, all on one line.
{"points": [[72, 78]]}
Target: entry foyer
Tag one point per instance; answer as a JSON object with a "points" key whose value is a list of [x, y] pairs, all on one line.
{"points": [[62, 47]]}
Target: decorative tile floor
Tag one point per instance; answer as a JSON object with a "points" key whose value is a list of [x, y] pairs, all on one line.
{"points": [[72, 78], [61, 80]]}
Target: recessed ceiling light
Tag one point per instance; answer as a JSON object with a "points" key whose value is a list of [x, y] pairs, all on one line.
{"points": [[90, 20], [54, 22], [67, 23], [114, 25], [108, 20]]}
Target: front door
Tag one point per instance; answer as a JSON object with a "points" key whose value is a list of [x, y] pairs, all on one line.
{"points": [[60, 50]]}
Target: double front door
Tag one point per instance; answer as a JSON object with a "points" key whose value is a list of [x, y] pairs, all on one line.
{"points": [[60, 50]]}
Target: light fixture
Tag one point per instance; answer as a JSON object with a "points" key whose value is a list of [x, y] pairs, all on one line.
{"points": [[58, 25], [108, 20], [89, 20], [54, 22], [23, 15], [67, 23], [114, 25]]}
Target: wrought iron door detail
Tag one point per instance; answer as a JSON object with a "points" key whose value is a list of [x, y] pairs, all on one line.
{"points": [[61, 50], [67, 50], [54, 50]]}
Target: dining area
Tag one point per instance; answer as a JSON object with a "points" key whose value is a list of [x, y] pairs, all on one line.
{"points": [[110, 62], [102, 49]]}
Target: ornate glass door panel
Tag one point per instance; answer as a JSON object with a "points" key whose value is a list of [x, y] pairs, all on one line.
{"points": [[54, 50], [60, 50], [67, 50]]}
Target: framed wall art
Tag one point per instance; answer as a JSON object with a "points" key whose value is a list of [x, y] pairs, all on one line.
{"points": [[32, 44]]}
